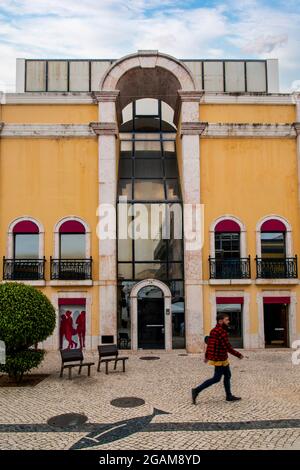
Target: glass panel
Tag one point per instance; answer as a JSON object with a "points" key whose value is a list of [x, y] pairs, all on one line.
{"points": [[227, 245], [150, 292], [145, 124], [72, 246], [147, 149], [169, 149], [126, 148], [175, 271], [26, 246], [148, 168], [146, 107], [150, 271], [171, 168], [125, 188], [125, 250], [149, 190], [173, 190], [272, 244], [175, 250], [125, 168], [124, 271], [235, 328], [150, 250], [123, 311], [177, 308]]}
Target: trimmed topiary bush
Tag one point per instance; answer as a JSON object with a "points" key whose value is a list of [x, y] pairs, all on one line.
{"points": [[26, 318]]}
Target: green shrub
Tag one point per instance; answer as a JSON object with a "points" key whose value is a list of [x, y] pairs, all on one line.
{"points": [[26, 318]]}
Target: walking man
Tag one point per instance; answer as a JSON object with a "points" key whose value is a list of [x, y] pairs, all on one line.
{"points": [[216, 354]]}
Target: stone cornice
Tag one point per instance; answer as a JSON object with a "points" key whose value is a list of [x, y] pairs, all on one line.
{"points": [[104, 128], [247, 98], [255, 130], [46, 130], [189, 96], [47, 98], [193, 128], [104, 96]]}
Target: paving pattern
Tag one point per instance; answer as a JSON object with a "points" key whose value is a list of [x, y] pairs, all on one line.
{"points": [[267, 417]]}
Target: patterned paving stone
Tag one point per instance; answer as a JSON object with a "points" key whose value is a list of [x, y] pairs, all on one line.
{"points": [[267, 417]]}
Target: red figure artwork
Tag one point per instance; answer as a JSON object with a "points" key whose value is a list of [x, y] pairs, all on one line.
{"points": [[72, 327], [81, 328]]}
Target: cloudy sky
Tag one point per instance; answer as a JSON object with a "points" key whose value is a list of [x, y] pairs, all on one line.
{"points": [[186, 29]]}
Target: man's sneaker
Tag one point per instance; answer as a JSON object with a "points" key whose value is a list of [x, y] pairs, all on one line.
{"points": [[233, 398], [194, 396]]}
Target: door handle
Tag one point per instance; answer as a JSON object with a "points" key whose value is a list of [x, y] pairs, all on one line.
{"points": [[158, 326]]}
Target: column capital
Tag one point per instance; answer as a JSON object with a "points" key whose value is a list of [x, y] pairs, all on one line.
{"points": [[193, 128], [296, 126], [189, 96], [104, 128], [104, 96]]}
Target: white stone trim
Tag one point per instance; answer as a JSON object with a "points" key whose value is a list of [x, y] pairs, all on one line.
{"points": [[292, 314], [87, 235], [27, 283], [229, 282], [247, 337], [247, 98], [20, 75], [47, 98], [86, 282], [53, 341], [10, 238], [134, 311], [47, 130], [288, 240], [243, 247], [252, 130], [147, 59], [276, 282]]}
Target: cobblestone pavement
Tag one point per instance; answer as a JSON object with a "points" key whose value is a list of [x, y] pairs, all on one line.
{"points": [[267, 417]]}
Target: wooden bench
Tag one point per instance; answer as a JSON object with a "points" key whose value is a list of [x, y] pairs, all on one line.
{"points": [[108, 353], [75, 356]]}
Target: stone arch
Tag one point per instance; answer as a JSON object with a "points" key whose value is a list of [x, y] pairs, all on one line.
{"points": [[289, 241], [242, 226], [167, 310]]}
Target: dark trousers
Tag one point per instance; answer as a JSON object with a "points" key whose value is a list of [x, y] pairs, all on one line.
{"points": [[219, 372]]}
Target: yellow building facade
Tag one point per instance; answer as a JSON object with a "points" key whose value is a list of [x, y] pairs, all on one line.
{"points": [[153, 130]]}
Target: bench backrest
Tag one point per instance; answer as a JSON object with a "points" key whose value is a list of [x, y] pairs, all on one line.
{"points": [[70, 355], [108, 350]]}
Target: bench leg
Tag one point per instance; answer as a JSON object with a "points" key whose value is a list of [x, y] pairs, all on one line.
{"points": [[115, 366], [70, 373], [106, 367], [79, 370], [89, 371], [123, 365], [98, 368], [61, 371]]}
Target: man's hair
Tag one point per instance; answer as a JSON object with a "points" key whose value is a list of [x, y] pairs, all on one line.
{"points": [[221, 316]]}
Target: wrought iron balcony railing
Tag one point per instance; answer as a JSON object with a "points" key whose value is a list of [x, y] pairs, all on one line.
{"points": [[276, 268], [23, 269], [231, 268], [71, 269]]}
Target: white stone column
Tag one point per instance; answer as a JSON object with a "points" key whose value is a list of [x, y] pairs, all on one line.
{"points": [[191, 198], [107, 131]]}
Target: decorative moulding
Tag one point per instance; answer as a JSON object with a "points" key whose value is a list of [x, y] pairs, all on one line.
{"points": [[46, 130], [104, 128]]}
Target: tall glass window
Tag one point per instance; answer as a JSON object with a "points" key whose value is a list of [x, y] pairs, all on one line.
{"points": [[151, 214]]}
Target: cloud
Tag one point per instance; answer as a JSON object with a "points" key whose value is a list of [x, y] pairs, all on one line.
{"points": [[113, 28]]}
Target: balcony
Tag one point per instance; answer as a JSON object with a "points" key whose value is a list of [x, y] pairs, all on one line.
{"points": [[71, 269], [276, 268], [231, 268], [23, 269]]}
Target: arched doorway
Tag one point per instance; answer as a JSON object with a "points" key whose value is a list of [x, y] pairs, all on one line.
{"points": [[151, 319]]}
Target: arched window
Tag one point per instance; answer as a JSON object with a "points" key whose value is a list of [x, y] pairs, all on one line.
{"points": [[227, 240], [25, 240], [72, 243], [273, 239]]}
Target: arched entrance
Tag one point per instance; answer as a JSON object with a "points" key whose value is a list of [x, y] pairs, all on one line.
{"points": [[145, 313]]}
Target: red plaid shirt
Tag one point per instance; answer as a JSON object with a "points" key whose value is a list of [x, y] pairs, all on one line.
{"points": [[218, 345]]}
